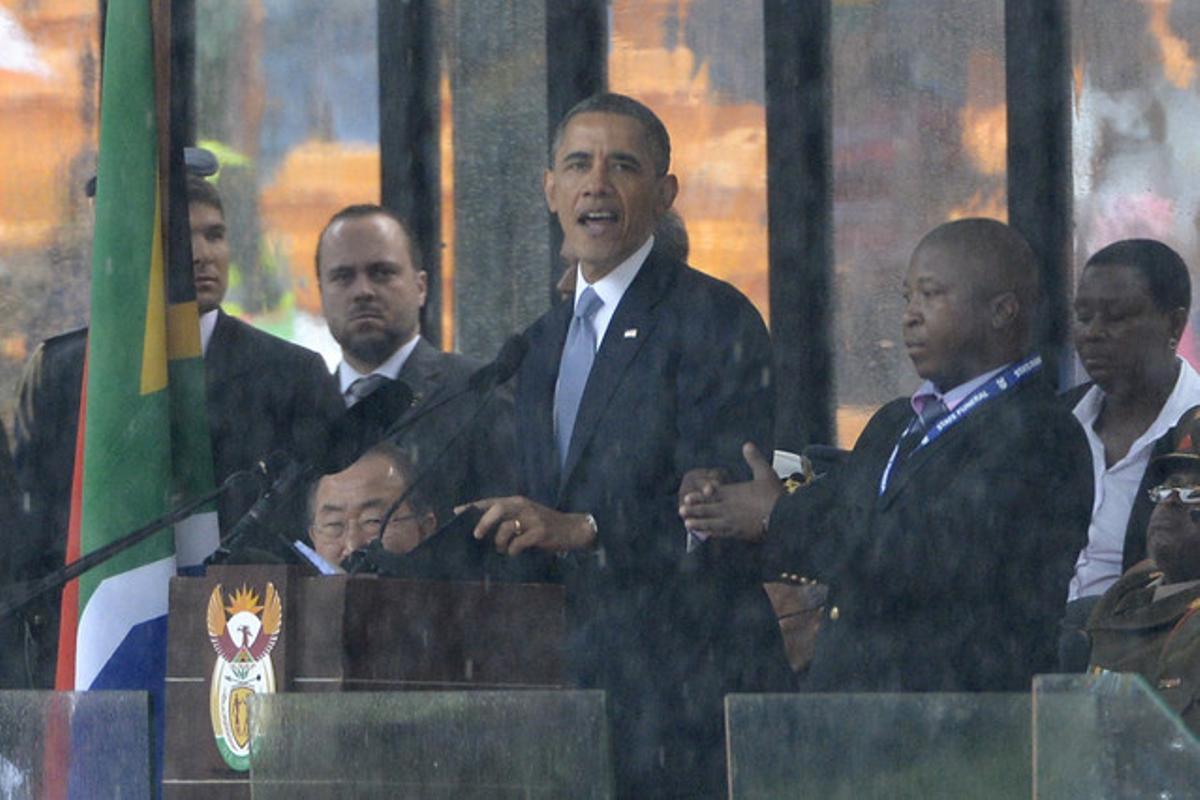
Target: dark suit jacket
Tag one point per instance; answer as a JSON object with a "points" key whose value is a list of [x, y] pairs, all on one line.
{"points": [[462, 449], [680, 381], [12, 530], [479, 444], [263, 395], [45, 427], [1139, 516], [955, 578]]}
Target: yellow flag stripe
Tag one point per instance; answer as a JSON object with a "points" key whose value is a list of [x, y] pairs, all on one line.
{"points": [[183, 331], [154, 343]]}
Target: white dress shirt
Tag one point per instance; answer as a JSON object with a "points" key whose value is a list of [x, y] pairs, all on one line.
{"points": [[1099, 563], [611, 288], [208, 323], [955, 396]]}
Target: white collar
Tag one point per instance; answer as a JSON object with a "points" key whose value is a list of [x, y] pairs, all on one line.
{"points": [[1183, 396], [388, 369], [612, 286], [952, 398], [208, 323]]}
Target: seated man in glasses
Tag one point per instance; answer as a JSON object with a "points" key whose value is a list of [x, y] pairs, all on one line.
{"points": [[347, 509], [1147, 622]]}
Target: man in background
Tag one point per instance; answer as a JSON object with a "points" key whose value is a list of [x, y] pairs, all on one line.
{"points": [[948, 535], [372, 291], [263, 395], [352, 508]]}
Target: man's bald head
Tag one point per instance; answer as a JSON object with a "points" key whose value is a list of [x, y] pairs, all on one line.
{"points": [[995, 259], [972, 290]]}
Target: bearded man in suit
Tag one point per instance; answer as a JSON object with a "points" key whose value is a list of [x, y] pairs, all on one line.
{"points": [[948, 535], [373, 288], [648, 370]]}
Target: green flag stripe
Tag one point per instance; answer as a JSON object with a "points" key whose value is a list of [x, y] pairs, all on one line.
{"points": [[127, 459]]}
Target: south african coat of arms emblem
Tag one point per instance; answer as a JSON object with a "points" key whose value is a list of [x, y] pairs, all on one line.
{"points": [[243, 641]]}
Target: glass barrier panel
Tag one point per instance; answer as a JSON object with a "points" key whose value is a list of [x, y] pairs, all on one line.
{"points": [[287, 98], [1134, 112], [74, 744], [919, 138], [699, 65], [49, 92], [460, 745], [1110, 735], [919, 746]]}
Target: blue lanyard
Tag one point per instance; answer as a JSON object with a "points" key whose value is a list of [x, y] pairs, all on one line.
{"points": [[1009, 378]]}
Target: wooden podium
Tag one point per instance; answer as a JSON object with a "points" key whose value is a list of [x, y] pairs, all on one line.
{"points": [[333, 634]]}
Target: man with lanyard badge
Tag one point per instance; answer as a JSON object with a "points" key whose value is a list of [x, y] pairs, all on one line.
{"points": [[948, 535]]}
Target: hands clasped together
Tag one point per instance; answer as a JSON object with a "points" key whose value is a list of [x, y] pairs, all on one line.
{"points": [[708, 505], [711, 507]]}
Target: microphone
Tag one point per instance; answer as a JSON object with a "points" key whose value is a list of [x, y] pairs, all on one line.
{"points": [[484, 379], [355, 432], [503, 367], [281, 475], [363, 425]]}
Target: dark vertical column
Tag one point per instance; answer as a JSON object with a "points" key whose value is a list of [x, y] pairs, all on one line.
{"points": [[408, 134], [501, 229], [181, 133], [103, 20], [576, 68], [1038, 73], [183, 72], [800, 217]]}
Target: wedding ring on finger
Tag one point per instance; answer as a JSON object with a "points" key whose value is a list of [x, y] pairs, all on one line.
{"points": [[516, 526]]}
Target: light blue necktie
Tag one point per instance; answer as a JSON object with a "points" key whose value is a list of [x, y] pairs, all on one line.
{"points": [[577, 356]]}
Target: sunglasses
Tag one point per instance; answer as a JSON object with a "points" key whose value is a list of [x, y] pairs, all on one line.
{"points": [[1189, 495]]}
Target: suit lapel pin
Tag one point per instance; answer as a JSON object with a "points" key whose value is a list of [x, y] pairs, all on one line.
{"points": [[631, 333]]}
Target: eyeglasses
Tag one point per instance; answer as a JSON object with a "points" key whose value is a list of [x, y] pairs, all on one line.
{"points": [[1187, 494], [371, 527]]}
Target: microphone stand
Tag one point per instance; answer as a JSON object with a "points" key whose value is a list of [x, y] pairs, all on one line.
{"points": [[24, 593], [484, 382], [294, 474], [430, 467]]}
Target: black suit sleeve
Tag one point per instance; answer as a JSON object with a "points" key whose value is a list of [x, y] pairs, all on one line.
{"points": [[719, 396], [808, 530], [493, 446], [725, 385], [315, 405], [44, 433]]}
